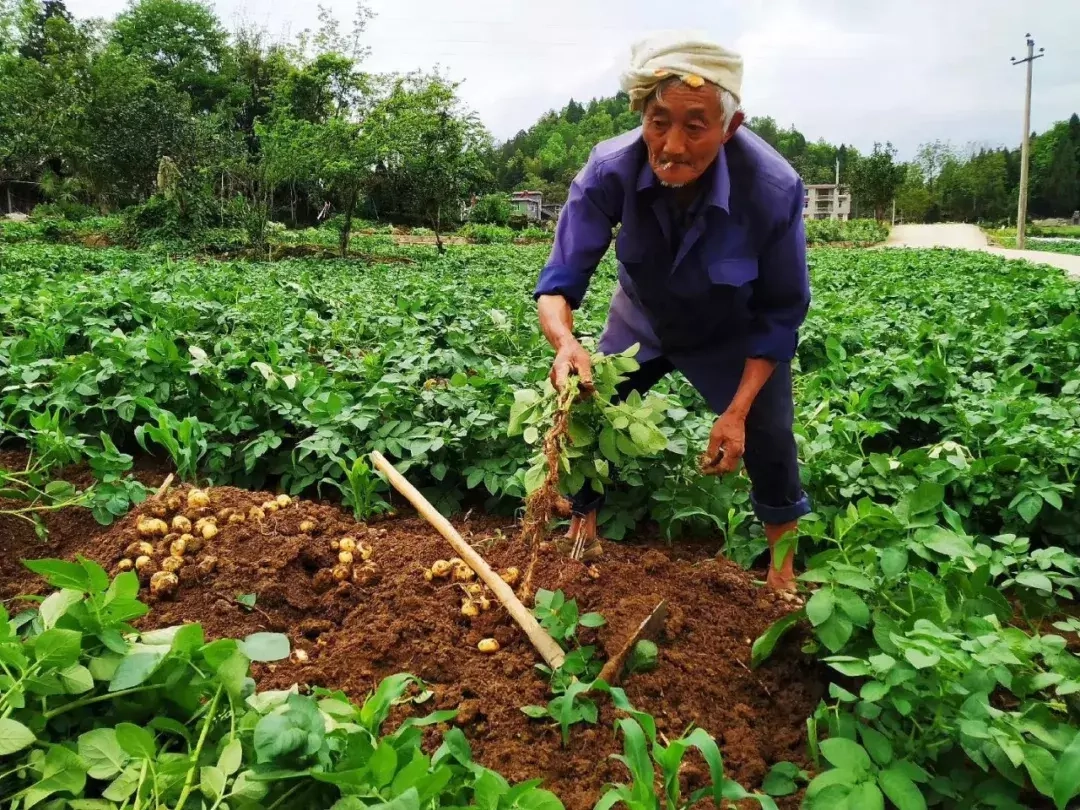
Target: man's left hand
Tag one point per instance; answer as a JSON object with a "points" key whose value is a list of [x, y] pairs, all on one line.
{"points": [[726, 444]]}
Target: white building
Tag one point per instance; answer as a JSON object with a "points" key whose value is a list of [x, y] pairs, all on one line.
{"points": [[827, 201]]}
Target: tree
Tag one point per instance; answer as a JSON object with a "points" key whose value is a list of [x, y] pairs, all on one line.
{"points": [[337, 154], [180, 41], [876, 178], [492, 209], [913, 197], [431, 153], [931, 159], [1055, 176]]}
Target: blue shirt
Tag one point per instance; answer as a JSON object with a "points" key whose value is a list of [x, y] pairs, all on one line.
{"points": [[736, 280]]}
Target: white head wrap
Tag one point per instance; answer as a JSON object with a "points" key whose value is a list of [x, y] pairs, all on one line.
{"points": [[685, 54]]}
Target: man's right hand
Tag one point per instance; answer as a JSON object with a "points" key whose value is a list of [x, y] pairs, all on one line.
{"points": [[571, 358]]}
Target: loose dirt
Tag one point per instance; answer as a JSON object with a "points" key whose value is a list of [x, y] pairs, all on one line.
{"points": [[356, 634]]}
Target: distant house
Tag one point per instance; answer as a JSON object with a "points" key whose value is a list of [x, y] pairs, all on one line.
{"points": [[827, 201], [529, 203]]}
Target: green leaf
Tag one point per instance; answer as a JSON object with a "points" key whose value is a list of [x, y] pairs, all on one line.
{"points": [[123, 786], [901, 791], [62, 574], [592, 620], [232, 756], [926, 497], [866, 796], [1041, 767], [766, 643], [835, 633], [921, 660], [101, 752], [780, 780], [76, 679], [853, 606], [820, 606], [136, 741], [1033, 579], [57, 604], [946, 542], [58, 648], [873, 691], [383, 764], [536, 712], [531, 435], [139, 663], [843, 753], [1067, 778], [233, 674], [211, 781], [876, 744], [893, 561], [265, 646], [1029, 507], [14, 736]]}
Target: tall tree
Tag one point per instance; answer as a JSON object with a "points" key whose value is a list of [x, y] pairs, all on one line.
{"points": [[876, 177]]}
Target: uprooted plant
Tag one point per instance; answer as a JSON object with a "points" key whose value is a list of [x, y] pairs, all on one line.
{"points": [[587, 438]]}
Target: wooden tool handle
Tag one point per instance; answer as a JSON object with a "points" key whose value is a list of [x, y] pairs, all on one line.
{"points": [[548, 648]]}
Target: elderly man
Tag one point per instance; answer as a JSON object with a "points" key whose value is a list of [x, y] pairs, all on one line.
{"points": [[713, 279]]}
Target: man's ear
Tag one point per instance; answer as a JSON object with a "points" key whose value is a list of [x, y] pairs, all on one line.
{"points": [[736, 122]]}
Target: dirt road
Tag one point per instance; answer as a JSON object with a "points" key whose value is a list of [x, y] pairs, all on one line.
{"points": [[970, 237]]}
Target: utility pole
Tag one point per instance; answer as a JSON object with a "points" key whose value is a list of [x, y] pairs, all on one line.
{"points": [[1021, 208]]}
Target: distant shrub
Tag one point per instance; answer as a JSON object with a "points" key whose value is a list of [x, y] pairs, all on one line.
{"points": [[854, 231], [492, 209], [535, 232], [63, 209], [487, 234]]}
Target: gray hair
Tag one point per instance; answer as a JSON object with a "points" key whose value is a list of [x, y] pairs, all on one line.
{"points": [[729, 105]]}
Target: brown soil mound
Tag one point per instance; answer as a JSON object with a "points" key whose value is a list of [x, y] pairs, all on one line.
{"points": [[355, 634]]}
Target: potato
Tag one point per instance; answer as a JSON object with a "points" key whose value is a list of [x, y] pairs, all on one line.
{"points": [[178, 548], [456, 561], [175, 502], [209, 531], [150, 527], [308, 526], [224, 514], [192, 542], [347, 543], [428, 575], [198, 499], [484, 602], [592, 572], [172, 564], [270, 506], [510, 576], [345, 557], [163, 585], [473, 589], [140, 549], [469, 609], [156, 508], [342, 572], [283, 500], [365, 550], [441, 569], [367, 574], [237, 517], [201, 522], [145, 565], [334, 545], [256, 513], [207, 565], [462, 573], [488, 645], [125, 565]]}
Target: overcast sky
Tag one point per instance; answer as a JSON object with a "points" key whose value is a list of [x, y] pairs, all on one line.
{"points": [[854, 71]]}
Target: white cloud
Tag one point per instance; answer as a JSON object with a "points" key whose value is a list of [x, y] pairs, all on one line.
{"points": [[846, 70]]}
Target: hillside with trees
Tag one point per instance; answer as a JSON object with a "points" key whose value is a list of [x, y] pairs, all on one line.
{"points": [[978, 183], [94, 114]]}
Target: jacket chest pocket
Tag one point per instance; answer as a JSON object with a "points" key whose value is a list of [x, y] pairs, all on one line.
{"points": [[733, 272]]}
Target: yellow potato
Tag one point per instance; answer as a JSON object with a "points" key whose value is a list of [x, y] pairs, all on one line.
{"points": [[163, 585], [181, 524], [209, 531], [178, 547], [148, 527], [462, 573], [345, 557], [469, 609], [256, 513], [510, 576], [347, 543], [365, 550], [198, 499], [441, 569], [125, 565], [342, 572], [283, 500], [488, 645], [172, 564], [237, 517], [307, 526], [271, 506]]}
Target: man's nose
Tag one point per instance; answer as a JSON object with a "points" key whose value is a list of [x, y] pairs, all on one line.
{"points": [[675, 144]]}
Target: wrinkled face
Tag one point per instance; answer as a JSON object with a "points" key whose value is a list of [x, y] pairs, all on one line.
{"points": [[684, 130]]}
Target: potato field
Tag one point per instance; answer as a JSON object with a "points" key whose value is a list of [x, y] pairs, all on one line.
{"points": [[275, 628]]}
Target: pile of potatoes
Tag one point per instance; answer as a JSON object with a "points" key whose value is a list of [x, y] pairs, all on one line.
{"points": [[475, 600], [354, 561], [191, 527]]}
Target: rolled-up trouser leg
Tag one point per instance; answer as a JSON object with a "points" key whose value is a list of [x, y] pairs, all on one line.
{"points": [[648, 374]]}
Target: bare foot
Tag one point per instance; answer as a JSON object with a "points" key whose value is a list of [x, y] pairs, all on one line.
{"points": [[582, 525]]}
